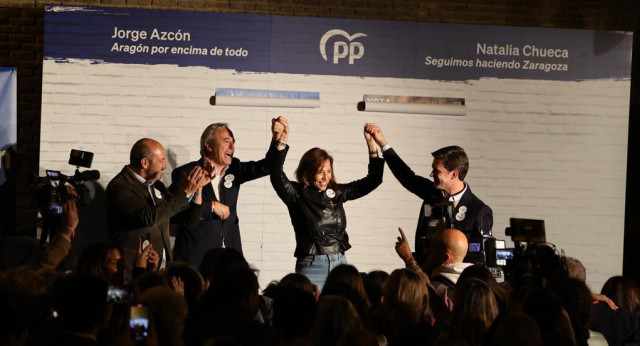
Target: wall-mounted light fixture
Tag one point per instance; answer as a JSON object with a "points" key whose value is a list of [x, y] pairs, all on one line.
{"points": [[413, 104], [265, 98]]}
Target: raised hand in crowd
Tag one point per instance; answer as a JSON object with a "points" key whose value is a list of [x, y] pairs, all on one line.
{"points": [[403, 249], [70, 217], [177, 285]]}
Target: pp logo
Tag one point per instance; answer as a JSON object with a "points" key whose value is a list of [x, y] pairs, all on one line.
{"points": [[342, 49]]}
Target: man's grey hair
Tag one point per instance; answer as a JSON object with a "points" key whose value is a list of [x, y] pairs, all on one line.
{"points": [[576, 269], [207, 135]]}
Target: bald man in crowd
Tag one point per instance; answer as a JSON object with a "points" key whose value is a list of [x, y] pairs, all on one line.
{"points": [[445, 260], [444, 263], [138, 203]]}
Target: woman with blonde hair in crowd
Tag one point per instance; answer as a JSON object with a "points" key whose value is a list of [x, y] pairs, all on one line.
{"points": [[474, 310], [405, 315]]}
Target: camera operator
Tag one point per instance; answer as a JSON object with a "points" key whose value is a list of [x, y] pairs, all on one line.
{"points": [[60, 244], [448, 188]]}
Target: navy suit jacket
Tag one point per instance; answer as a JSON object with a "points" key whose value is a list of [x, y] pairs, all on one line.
{"points": [[193, 242], [478, 215]]}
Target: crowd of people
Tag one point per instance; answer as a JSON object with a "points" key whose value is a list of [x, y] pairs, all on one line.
{"points": [[129, 290], [220, 303]]}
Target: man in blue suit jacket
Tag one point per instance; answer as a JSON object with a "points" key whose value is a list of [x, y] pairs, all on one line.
{"points": [[447, 187], [216, 203]]}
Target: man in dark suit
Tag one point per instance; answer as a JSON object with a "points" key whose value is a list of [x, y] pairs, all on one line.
{"points": [[446, 196], [139, 203], [216, 204]]}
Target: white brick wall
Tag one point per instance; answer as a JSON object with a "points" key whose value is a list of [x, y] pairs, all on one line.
{"points": [[538, 149]]}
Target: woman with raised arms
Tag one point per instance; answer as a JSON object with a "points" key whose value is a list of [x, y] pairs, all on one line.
{"points": [[315, 202]]}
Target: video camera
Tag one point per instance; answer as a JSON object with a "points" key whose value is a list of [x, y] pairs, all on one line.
{"points": [[52, 193], [526, 235]]}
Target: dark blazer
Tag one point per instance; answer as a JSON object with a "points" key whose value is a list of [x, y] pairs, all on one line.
{"points": [[318, 218], [131, 213], [478, 215], [193, 240]]}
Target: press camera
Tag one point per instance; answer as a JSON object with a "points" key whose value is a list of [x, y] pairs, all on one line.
{"points": [[52, 193], [527, 236]]}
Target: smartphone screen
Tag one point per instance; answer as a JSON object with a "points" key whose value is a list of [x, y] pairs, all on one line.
{"points": [[139, 322], [117, 294], [146, 240]]}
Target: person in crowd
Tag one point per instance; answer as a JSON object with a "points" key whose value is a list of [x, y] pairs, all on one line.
{"points": [[374, 283], [545, 307], [474, 310], [448, 187], [577, 271], [348, 275], [80, 302], [622, 326], [444, 264], [336, 320], [517, 329], [577, 301], [60, 246], [315, 203], [103, 260], [139, 205], [405, 317], [185, 279], [28, 289], [228, 310], [168, 311], [483, 274], [345, 281], [294, 314], [216, 204], [106, 261], [218, 260], [296, 280]]}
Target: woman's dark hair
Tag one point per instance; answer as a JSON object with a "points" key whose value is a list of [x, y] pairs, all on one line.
{"points": [[624, 292], [218, 259], [374, 284], [309, 164], [483, 274], [193, 281], [93, 259], [348, 275]]}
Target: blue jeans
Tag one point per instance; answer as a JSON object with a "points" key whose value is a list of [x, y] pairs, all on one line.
{"points": [[317, 267]]}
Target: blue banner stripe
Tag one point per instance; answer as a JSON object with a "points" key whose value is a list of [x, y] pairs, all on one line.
{"points": [[328, 46]]}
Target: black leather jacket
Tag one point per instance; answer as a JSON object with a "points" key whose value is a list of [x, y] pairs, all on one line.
{"points": [[318, 220]]}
